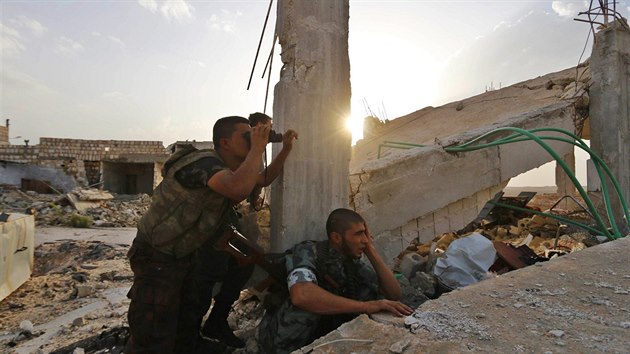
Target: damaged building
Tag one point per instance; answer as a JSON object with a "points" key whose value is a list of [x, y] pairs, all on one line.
{"points": [[59, 165]]}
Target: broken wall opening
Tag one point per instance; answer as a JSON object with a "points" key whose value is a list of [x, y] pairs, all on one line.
{"points": [[41, 187], [92, 172], [128, 178]]}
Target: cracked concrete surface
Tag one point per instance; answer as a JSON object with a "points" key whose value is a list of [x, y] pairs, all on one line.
{"points": [[578, 303]]}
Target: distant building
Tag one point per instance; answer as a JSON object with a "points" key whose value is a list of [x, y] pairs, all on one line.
{"points": [[59, 165]]}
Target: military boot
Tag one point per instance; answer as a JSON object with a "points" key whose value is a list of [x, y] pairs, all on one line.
{"points": [[217, 328]]}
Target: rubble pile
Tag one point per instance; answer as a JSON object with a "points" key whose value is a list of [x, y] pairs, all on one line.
{"points": [[245, 316], [79, 208], [77, 290], [537, 237]]}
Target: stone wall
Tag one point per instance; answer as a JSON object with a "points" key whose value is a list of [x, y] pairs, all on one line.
{"points": [[95, 150], [87, 150], [82, 159]]}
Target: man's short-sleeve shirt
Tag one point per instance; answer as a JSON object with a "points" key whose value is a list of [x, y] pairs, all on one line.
{"points": [[198, 173], [302, 266]]}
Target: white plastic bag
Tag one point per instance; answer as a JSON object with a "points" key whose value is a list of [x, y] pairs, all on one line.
{"points": [[466, 261]]}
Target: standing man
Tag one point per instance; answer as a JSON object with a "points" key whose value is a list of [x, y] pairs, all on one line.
{"points": [[187, 210], [218, 266], [329, 284]]}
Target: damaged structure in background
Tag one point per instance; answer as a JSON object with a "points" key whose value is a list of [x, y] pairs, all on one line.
{"points": [[58, 165]]}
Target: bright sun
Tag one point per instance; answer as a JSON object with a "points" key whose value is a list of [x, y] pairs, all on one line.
{"points": [[355, 125]]}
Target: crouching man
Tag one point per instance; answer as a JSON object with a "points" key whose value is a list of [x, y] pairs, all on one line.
{"points": [[329, 284]]}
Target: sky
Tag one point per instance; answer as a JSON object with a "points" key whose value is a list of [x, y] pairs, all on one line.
{"points": [[167, 69]]}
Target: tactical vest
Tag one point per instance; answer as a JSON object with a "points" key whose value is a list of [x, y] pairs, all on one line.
{"points": [[337, 274], [180, 219]]}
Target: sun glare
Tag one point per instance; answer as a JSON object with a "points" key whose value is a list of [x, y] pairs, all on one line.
{"points": [[355, 126]]}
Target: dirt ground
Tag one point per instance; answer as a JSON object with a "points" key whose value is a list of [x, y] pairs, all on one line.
{"points": [[68, 275]]}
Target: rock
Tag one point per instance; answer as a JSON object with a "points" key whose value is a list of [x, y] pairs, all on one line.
{"points": [[79, 321], [80, 277], [399, 346], [410, 264], [27, 326], [108, 275], [78, 351], [83, 291], [556, 333], [425, 283], [88, 266]]}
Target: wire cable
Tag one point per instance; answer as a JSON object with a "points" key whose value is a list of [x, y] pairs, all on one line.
{"points": [[262, 34]]}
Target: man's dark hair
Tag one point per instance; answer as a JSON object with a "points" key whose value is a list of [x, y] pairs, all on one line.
{"points": [[224, 128], [257, 117], [340, 220]]}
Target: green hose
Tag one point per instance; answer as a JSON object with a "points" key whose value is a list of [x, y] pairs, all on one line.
{"points": [[524, 135], [598, 163]]}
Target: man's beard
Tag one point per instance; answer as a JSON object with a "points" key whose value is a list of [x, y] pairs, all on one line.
{"points": [[346, 251]]}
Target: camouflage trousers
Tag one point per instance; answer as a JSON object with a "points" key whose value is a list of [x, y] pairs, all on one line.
{"points": [[290, 328], [163, 310]]}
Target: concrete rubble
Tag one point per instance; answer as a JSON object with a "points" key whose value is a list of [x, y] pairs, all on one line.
{"points": [[576, 303], [100, 209]]}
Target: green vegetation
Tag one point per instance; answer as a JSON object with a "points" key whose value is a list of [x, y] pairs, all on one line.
{"points": [[80, 221]]}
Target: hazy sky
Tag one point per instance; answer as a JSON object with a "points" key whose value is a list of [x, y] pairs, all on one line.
{"points": [[166, 70]]}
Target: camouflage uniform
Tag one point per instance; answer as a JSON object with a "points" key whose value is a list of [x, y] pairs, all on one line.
{"points": [[164, 302], [288, 328]]}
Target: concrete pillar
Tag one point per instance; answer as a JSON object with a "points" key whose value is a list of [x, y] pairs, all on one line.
{"points": [[610, 107], [312, 97], [564, 184]]}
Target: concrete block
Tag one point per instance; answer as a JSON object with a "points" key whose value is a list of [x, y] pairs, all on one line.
{"points": [[426, 228], [17, 238], [410, 264], [482, 196], [441, 221], [409, 232], [469, 209], [455, 215]]}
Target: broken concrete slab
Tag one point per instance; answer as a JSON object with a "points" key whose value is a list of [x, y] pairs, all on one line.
{"points": [[574, 303], [83, 199], [17, 244]]}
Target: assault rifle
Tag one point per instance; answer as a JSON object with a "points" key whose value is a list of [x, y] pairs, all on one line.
{"points": [[247, 252]]}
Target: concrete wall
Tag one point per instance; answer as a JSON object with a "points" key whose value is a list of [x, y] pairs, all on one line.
{"points": [[128, 178], [450, 218], [13, 173], [312, 97], [428, 191]]}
